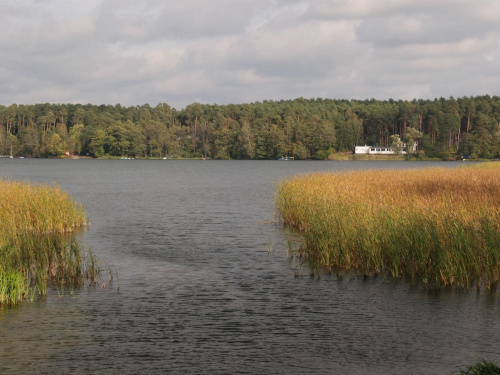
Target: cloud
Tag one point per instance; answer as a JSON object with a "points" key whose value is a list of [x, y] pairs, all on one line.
{"points": [[227, 51]]}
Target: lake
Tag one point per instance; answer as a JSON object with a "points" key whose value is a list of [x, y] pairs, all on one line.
{"points": [[206, 287]]}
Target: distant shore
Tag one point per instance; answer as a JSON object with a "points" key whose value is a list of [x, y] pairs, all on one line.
{"points": [[333, 157]]}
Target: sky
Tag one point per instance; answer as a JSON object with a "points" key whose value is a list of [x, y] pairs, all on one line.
{"points": [[179, 52]]}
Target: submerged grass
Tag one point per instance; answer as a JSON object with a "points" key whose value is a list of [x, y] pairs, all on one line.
{"points": [[439, 226], [481, 367], [36, 246]]}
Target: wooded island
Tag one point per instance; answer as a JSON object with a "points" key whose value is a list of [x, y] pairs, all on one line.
{"points": [[299, 128]]}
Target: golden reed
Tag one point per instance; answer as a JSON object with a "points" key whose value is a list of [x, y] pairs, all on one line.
{"points": [[439, 226]]}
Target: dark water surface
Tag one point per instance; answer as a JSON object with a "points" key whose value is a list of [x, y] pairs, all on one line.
{"points": [[200, 292]]}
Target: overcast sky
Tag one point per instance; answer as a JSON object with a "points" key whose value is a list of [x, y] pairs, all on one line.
{"points": [[134, 52]]}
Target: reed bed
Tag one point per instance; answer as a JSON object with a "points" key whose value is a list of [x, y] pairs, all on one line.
{"points": [[438, 226], [36, 247]]}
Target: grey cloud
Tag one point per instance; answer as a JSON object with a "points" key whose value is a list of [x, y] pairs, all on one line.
{"points": [[206, 19], [418, 29], [136, 21]]}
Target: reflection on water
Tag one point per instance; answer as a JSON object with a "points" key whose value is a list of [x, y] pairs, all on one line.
{"points": [[199, 292]]}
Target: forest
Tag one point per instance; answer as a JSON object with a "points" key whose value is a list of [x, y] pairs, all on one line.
{"points": [[300, 128]]}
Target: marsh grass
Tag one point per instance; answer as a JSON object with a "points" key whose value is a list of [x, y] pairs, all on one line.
{"points": [[438, 226], [37, 246]]}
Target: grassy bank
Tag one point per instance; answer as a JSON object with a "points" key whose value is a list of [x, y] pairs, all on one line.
{"points": [[36, 247], [438, 226]]}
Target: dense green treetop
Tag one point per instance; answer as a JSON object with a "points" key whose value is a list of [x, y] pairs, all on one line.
{"points": [[303, 128]]}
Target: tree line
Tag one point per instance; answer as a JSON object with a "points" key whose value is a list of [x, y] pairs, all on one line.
{"points": [[302, 128]]}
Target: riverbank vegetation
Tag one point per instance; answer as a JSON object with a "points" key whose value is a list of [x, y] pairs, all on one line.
{"points": [[36, 245], [302, 128], [437, 226]]}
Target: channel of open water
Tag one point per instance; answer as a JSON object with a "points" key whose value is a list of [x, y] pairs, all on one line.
{"points": [[206, 287]]}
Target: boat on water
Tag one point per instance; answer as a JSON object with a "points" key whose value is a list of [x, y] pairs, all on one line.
{"points": [[285, 157]]}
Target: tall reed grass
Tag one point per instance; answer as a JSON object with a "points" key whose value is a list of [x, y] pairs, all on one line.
{"points": [[36, 247], [27, 208], [439, 226]]}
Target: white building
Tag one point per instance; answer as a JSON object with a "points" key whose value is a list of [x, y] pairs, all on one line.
{"points": [[378, 150]]}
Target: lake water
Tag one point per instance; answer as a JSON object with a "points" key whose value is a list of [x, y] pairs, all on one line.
{"points": [[206, 286]]}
